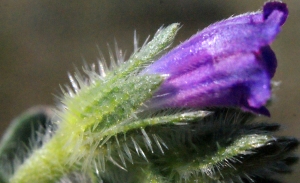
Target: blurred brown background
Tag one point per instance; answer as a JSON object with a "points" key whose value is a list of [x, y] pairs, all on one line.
{"points": [[41, 40]]}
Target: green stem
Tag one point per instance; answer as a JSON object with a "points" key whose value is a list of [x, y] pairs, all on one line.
{"points": [[45, 165]]}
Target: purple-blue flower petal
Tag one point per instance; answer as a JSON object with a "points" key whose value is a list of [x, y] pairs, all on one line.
{"points": [[227, 64]]}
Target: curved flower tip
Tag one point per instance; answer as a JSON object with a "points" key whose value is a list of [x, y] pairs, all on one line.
{"points": [[279, 6], [228, 64]]}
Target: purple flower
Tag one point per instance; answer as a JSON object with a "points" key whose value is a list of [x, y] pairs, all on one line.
{"points": [[228, 64]]}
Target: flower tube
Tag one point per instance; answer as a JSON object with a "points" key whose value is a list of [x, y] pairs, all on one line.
{"points": [[228, 64]]}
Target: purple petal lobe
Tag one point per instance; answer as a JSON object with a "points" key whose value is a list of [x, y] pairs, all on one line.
{"points": [[269, 59], [228, 64], [270, 7]]}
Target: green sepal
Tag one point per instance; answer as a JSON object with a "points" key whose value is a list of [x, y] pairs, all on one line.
{"points": [[146, 54], [90, 115]]}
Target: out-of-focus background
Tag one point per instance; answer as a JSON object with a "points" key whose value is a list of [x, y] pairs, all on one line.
{"points": [[40, 41]]}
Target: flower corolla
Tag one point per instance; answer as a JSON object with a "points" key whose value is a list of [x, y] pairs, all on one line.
{"points": [[228, 64]]}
